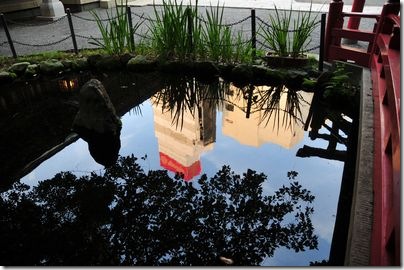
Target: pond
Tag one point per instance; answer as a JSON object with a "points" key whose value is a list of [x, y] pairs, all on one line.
{"points": [[209, 173]]}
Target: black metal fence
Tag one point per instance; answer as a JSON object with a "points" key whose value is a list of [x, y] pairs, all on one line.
{"points": [[79, 27]]}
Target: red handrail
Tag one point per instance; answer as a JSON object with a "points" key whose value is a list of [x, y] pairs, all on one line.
{"points": [[385, 65], [335, 31], [383, 57]]}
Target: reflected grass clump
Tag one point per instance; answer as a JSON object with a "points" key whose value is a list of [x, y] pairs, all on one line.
{"points": [[184, 94]]}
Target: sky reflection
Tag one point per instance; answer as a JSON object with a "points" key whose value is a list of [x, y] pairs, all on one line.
{"points": [[230, 147]]}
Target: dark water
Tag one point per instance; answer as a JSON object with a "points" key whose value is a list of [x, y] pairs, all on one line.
{"points": [[138, 211]]}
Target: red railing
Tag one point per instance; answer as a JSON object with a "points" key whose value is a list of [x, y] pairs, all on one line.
{"points": [[383, 57], [335, 32], [385, 66]]}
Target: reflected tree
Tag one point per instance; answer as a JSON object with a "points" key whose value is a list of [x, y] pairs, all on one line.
{"points": [[129, 217]]}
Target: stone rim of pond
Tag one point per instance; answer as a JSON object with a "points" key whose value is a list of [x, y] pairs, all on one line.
{"points": [[241, 74]]}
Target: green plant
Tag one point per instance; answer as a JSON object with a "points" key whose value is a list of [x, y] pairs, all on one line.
{"points": [[242, 51], [218, 37], [116, 33], [303, 28], [276, 35], [340, 92], [285, 41], [175, 30]]}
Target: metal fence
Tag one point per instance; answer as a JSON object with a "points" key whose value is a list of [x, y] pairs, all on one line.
{"points": [[73, 32]]}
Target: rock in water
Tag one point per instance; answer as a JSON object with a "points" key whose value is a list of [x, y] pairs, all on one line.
{"points": [[97, 123], [96, 112]]}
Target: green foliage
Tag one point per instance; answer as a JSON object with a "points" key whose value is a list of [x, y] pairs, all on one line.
{"points": [[285, 41], [303, 27], [217, 37], [170, 30], [220, 42], [277, 34], [126, 216], [116, 33], [242, 52], [177, 33], [312, 61], [339, 91]]}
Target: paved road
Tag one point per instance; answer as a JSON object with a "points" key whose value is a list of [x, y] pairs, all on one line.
{"points": [[318, 5], [36, 36]]}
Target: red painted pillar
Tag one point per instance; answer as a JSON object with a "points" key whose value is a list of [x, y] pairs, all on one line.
{"points": [[334, 20], [357, 6]]}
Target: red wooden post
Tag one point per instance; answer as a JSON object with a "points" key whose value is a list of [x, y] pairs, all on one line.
{"points": [[357, 6], [334, 20]]}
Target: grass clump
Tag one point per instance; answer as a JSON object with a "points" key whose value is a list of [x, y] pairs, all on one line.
{"points": [[217, 37], [175, 32], [220, 42], [277, 34], [116, 34], [287, 37]]}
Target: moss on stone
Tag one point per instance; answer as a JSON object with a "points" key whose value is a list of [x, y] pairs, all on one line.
{"points": [[19, 68], [51, 67]]}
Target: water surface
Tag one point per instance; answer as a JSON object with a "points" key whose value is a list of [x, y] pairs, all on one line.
{"points": [[193, 128]]}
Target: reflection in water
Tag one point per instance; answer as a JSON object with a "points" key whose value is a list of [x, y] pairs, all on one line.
{"points": [[97, 123], [185, 95], [282, 103], [35, 118], [336, 124], [191, 105], [127, 217], [68, 85], [104, 148], [185, 119], [269, 105]]}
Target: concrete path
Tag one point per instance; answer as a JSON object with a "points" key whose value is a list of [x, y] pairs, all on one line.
{"points": [[372, 6]]}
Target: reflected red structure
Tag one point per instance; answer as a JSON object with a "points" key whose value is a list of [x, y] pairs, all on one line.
{"points": [[172, 165]]}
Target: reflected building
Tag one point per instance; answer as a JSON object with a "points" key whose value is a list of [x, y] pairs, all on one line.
{"points": [[259, 128], [181, 146]]}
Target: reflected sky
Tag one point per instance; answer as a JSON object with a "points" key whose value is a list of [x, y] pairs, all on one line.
{"points": [[139, 137]]}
